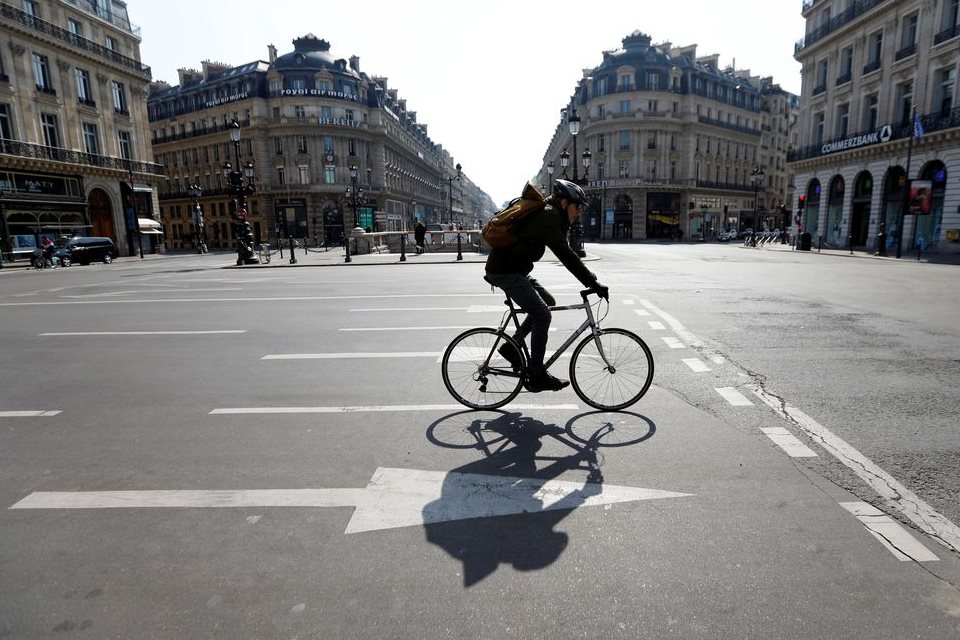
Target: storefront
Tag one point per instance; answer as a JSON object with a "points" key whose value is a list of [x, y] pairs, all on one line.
{"points": [[34, 206]]}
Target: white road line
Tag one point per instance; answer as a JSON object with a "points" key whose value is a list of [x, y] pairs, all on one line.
{"points": [[381, 409], [678, 328], [406, 328], [139, 333], [641, 312], [344, 356], [896, 494], [249, 299], [673, 343], [717, 359], [696, 365], [377, 309], [656, 325], [734, 397], [789, 443], [890, 533], [629, 301], [28, 414]]}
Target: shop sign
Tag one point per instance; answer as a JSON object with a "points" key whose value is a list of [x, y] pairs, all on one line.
{"points": [[320, 93]]}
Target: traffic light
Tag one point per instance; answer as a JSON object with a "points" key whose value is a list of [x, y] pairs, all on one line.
{"points": [[802, 202]]}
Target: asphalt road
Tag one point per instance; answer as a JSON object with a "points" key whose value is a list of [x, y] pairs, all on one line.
{"points": [[188, 450]]}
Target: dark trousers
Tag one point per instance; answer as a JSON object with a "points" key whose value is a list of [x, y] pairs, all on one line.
{"points": [[529, 295]]}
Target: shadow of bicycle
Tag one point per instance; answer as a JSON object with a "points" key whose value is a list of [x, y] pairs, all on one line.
{"points": [[512, 445]]}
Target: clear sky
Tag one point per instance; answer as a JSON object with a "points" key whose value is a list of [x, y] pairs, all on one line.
{"points": [[488, 77]]}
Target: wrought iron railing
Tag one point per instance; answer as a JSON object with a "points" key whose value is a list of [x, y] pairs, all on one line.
{"points": [[727, 125], [855, 10], [202, 131], [57, 154], [48, 28]]}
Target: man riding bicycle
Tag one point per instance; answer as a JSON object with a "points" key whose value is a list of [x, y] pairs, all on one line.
{"points": [[509, 268]]}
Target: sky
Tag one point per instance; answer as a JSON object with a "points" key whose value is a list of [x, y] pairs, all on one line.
{"points": [[488, 78]]}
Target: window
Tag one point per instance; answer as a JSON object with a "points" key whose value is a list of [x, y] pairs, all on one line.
{"points": [[298, 84], [278, 146], [625, 83], [51, 133], [349, 113], [846, 65], [946, 80], [6, 123], [352, 147], [326, 113], [870, 112], [111, 44], [818, 128], [601, 111], [908, 31], [623, 169], [624, 141], [328, 144], [673, 142], [653, 106], [601, 143], [951, 14], [904, 101], [329, 175], [624, 106], [843, 119], [301, 144], [91, 141], [126, 147], [276, 86], [119, 98], [653, 81], [299, 111], [304, 173], [41, 73], [74, 27], [651, 140], [874, 48], [84, 93], [821, 84], [30, 8]]}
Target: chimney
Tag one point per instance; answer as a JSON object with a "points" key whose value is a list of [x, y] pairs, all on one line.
{"points": [[272, 52], [355, 63]]}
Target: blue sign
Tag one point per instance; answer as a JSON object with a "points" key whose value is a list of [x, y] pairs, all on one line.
{"points": [[609, 213]]}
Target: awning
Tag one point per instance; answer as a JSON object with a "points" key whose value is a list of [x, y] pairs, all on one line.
{"points": [[149, 227], [151, 232]]}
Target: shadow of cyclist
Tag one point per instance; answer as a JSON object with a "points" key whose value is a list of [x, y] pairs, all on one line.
{"points": [[527, 540]]}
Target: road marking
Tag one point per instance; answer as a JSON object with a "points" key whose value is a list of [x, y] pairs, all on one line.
{"points": [[673, 343], [896, 494], [656, 325], [406, 328], [678, 328], [734, 397], [123, 293], [630, 301], [382, 408], [334, 356], [139, 333], [392, 499], [717, 359], [697, 365], [249, 299], [890, 533], [789, 443], [29, 414], [641, 312]]}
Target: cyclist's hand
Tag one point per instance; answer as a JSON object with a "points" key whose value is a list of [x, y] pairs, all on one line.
{"points": [[601, 291]]}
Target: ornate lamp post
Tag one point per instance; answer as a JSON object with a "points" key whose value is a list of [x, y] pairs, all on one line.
{"points": [[355, 199], [550, 169], [450, 180], [576, 229], [586, 157], [199, 228], [241, 186], [756, 178], [564, 161]]}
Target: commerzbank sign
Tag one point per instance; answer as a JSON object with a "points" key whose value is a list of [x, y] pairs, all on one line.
{"points": [[884, 134]]}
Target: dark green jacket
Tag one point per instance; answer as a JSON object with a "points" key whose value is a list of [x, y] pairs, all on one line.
{"points": [[545, 228]]}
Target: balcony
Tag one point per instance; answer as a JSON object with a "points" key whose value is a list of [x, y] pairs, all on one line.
{"points": [[46, 89], [53, 31], [946, 34], [820, 88], [87, 103], [906, 52], [727, 125], [119, 20], [40, 152], [204, 131], [871, 67], [844, 79], [856, 9]]}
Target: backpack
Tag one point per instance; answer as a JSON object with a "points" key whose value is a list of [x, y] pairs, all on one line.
{"points": [[498, 231]]}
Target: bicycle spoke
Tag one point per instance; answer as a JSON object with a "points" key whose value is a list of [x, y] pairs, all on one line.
{"points": [[621, 382], [475, 374]]}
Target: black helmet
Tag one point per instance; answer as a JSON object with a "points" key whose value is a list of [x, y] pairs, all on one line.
{"points": [[569, 190]]}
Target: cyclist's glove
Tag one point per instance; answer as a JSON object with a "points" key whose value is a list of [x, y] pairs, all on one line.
{"points": [[601, 291]]}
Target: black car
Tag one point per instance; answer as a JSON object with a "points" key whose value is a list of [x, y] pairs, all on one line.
{"points": [[85, 250]]}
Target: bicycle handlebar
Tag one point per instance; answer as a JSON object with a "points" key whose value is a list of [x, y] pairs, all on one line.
{"points": [[586, 292]]}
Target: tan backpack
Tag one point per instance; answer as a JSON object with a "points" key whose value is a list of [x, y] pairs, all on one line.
{"points": [[498, 231]]}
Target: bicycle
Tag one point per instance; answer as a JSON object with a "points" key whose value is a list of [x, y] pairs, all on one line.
{"points": [[264, 253], [610, 369]]}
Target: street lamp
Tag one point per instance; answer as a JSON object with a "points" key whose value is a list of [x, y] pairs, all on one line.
{"points": [[576, 229], [241, 186], [450, 180], [756, 178], [550, 169], [564, 161], [201, 231], [355, 199]]}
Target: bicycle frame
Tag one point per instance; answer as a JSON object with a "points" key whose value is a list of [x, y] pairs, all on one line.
{"points": [[589, 322]]}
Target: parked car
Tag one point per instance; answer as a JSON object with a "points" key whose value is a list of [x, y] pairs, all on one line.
{"points": [[85, 250], [726, 236]]}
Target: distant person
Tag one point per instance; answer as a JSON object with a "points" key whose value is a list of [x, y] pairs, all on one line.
{"points": [[419, 234]]}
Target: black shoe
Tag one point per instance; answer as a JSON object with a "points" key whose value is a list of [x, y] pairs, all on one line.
{"points": [[511, 355], [544, 382]]}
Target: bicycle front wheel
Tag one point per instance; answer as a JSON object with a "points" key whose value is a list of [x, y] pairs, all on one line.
{"points": [[475, 374], [617, 377]]}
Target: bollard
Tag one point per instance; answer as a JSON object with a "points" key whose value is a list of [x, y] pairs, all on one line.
{"points": [[819, 243], [403, 247], [346, 245], [306, 251], [459, 251], [293, 255], [850, 243]]}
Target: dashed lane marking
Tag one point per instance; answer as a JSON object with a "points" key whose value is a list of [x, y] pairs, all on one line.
{"points": [[890, 533], [734, 397], [789, 443], [673, 343], [343, 356], [139, 333], [380, 409], [696, 365], [641, 312], [29, 414], [656, 326]]}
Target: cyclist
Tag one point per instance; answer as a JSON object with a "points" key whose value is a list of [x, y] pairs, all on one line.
{"points": [[509, 268]]}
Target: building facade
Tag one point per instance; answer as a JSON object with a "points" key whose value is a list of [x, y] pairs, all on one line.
{"points": [[314, 126], [869, 174], [75, 153], [675, 145]]}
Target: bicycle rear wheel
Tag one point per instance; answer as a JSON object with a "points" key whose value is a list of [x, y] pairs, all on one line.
{"points": [[475, 374], [623, 382]]}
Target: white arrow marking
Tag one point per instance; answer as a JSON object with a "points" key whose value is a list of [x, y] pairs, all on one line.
{"points": [[394, 498]]}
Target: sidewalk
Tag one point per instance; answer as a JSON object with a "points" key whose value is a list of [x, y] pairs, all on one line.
{"points": [[337, 256], [906, 256]]}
